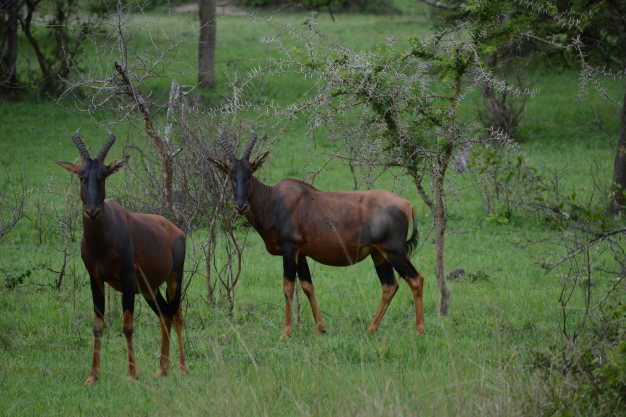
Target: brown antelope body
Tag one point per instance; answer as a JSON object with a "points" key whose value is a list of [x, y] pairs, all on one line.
{"points": [[132, 252], [297, 221]]}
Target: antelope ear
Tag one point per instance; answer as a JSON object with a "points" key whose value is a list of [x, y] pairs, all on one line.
{"points": [[73, 168], [259, 161], [115, 166], [219, 165]]}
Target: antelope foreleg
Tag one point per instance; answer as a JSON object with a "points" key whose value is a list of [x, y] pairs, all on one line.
{"points": [[307, 286], [289, 284], [309, 290], [128, 333], [288, 288], [98, 326], [128, 305], [97, 293]]}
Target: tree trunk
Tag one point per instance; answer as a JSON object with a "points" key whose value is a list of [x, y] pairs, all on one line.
{"points": [[438, 209], [48, 78], [206, 43], [618, 198], [9, 11], [439, 213]]}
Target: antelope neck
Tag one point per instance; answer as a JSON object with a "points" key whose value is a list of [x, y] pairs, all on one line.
{"points": [[261, 205], [97, 230]]}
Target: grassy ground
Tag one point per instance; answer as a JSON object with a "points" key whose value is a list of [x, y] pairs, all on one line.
{"points": [[470, 363]]}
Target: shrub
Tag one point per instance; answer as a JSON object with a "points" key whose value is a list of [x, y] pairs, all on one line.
{"points": [[587, 376], [506, 181]]}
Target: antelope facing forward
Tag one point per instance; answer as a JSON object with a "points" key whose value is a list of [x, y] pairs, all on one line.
{"points": [[297, 221], [133, 253]]}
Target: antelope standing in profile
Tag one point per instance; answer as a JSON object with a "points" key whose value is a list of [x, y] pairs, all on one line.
{"points": [[133, 253], [297, 221]]}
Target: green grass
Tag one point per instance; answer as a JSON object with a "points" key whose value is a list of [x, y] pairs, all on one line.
{"points": [[470, 363]]}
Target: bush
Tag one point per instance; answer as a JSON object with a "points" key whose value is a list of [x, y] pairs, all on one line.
{"points": [[506, 181], [587, 376]]}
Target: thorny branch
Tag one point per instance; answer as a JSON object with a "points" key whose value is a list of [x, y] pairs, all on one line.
{"points": [[162, 145]]}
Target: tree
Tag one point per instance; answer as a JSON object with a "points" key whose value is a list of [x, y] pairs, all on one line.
{"points": [[56, 46], [590, 34], [206, 43], [397, 107], [9, 24]]}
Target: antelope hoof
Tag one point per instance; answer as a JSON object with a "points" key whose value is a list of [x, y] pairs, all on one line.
{"points": [[321, 331], [421, 331], [371, 330], [132, 378], [160, 372], [90, 380], [183, 370]]}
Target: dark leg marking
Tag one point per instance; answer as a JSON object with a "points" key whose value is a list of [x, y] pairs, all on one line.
{"points": [[389, 288], [289, 282]]}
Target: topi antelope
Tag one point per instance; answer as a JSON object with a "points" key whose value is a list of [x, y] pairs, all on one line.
{"points": [[297, 221], [133, 253]]}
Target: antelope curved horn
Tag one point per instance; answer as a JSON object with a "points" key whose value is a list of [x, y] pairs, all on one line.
{"points": [[84, 153], [248, 151], [106, 147], [224, 143]]}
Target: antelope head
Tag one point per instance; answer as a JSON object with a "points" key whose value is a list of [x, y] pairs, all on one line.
{"points": [[92, 174], [238, 170]]}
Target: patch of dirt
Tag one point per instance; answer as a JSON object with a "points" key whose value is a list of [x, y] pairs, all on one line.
{"points": [[224, 8]]}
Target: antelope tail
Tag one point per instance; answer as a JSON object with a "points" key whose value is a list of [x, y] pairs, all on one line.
{"points": [[411, 244]]}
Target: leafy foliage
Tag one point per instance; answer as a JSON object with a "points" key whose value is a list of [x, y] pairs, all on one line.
{"points": [[521, 27], [506, 181], [509, 32]]}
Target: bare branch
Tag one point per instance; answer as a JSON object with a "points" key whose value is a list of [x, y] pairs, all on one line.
{"points": [[584, 247], [160, 144]]}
